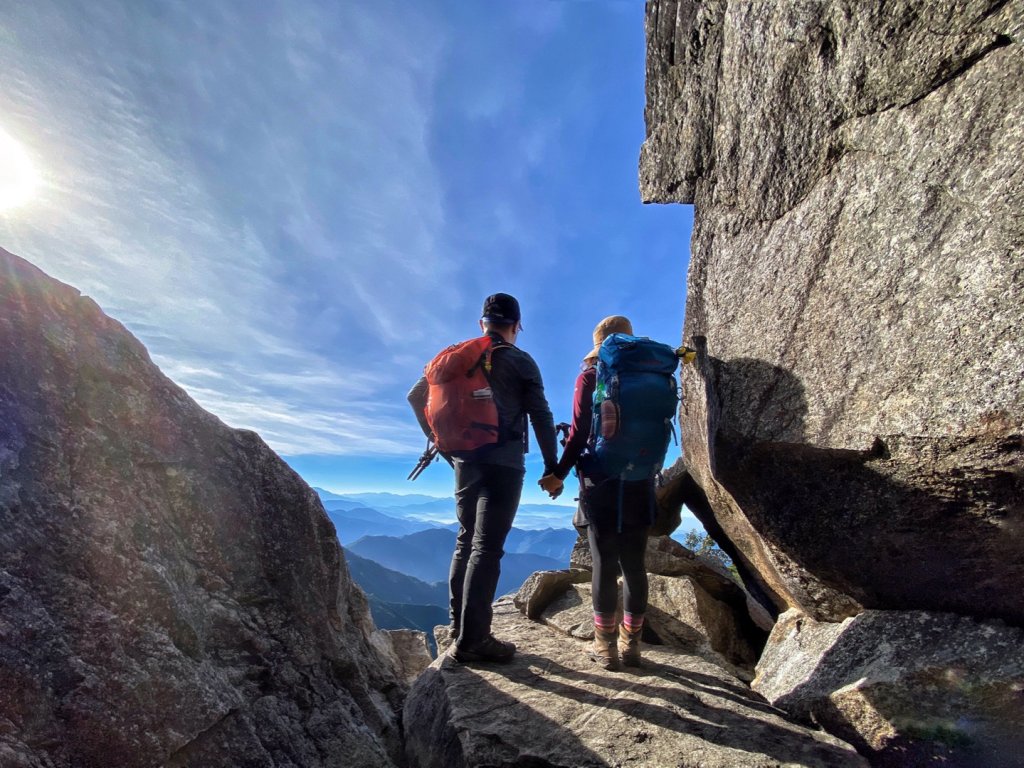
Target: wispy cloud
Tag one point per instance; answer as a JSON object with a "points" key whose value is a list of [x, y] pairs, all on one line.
{"points": [[294, 203], [251, 192]]}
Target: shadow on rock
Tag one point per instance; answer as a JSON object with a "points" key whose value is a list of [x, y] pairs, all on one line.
{"points": [[663, 695], [550, 706], [932, 523], [456, 718]]}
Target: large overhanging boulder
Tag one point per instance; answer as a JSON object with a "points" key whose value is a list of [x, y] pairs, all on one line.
{"points": [[171, 593], [855, 289]]}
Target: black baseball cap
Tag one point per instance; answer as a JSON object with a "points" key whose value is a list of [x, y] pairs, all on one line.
{"points": [[502, 309]]}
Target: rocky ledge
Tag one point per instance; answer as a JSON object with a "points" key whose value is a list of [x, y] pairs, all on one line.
{"points": [[906, 688], [552, 707]]}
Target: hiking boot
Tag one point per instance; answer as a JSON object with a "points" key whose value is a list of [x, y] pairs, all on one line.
{"points": [[603, 652], [488, 649], [629, 645]]}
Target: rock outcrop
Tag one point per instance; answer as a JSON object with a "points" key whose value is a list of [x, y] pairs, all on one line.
{"points": [[543, 587], [552, 707], [856, 291], [171, 592], [407, 650], [907, 688]]}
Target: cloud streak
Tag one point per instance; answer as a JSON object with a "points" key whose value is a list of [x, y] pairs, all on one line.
{"points": [[252, 195], [294, 204]]}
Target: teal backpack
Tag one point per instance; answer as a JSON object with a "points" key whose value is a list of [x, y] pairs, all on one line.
{"points": [[635, 401]]}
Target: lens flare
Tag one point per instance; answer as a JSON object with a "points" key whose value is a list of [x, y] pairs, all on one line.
{"points": [[18, 179]]}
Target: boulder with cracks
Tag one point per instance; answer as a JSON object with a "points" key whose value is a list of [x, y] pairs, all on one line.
{"points": [[856, 412], [907, 688]]}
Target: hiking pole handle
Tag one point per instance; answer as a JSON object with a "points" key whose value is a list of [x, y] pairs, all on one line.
{"points": [[428, 456]]}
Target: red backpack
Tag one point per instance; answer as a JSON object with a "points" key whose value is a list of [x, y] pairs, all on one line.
{"points": [[460, 405]]}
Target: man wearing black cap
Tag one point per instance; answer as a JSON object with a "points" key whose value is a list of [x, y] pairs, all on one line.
{"points": [[488, 485]]}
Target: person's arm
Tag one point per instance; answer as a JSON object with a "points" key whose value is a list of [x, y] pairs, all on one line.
{"points": [[417, 398], [582, 418], [536, 405]]}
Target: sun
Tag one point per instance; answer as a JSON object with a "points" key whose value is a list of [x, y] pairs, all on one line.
{"points": [[18, 179]]}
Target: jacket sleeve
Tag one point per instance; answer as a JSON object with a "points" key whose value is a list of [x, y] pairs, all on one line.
{"points": [[536, 405], [417, 398], [582, 419]]}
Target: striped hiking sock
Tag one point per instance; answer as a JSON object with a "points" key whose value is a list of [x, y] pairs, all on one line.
{"points": [[605, 622], [632, 622]]}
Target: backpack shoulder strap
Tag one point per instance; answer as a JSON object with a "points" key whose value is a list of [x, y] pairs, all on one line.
{"points": [[489, 352], [484, 360]]}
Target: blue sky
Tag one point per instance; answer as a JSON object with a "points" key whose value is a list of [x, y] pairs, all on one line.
{"points": [[294, 205]]}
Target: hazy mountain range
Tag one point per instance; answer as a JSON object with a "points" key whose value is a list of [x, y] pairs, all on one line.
{"points": [[427, 555], [399, 550], [398, 601], [431, 509], [353, 523], [394, 587]]}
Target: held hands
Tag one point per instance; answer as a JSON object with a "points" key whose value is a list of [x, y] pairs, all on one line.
{"points": [[552, 485]]}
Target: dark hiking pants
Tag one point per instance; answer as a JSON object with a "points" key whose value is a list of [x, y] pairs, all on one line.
{"points": [[486, 500], [612, 550]]}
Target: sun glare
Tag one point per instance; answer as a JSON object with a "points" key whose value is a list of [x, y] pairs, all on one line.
{"points": [[18, 179]]}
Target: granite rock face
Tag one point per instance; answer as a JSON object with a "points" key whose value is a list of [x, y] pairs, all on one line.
{"points": [[171, 592], [856, 292], [907, 688], [681, 611], [551, 706]]}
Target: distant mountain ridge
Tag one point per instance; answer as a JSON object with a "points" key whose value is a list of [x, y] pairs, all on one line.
{"points": [[427, 555], [441, 511], [556, 543], [382, 499], [401, 558], [326, 495], [399, 551], [401, 616], [354, 523], [398, 601], [392, 586]]}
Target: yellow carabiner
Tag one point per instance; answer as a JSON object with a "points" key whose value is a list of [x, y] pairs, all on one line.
{"points": [[686, 354]]}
